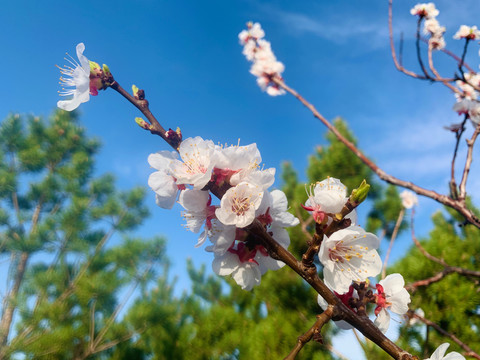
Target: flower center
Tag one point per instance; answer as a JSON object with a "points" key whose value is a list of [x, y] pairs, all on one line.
{"points": [[240, 205], [341, 252]]}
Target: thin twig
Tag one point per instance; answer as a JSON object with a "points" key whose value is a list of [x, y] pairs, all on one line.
{"points": [[459, 206], [447, 269], [142, 105], [451, 54], [392, 239], [314, 331], [438, 77], [398, 65], [468, 350], [460, 64], [458, 136], [468, 163], [419, 54]]}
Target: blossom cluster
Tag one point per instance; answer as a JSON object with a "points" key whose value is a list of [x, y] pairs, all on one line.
{"points": [[264, 63], [467, 96], [431, 26], [203, 166], [349, 256]]}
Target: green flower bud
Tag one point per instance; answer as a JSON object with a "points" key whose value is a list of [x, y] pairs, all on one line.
{"points": [[360, 194]]}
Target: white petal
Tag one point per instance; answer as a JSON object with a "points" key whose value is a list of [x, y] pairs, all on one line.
{"points": [[383, 321], [226, 264], [400, 301], [393, 283], [83, 60], [440, 352], [202, 238], [223, 237], [165, 202], [162, 159], [247, 276], [194, 200]]}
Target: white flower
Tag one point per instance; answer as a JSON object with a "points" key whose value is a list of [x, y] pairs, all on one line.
{"points": [[463, 106], [238, 205], [390, 294], [467, 32], [432, 27], [222, 237], [199, 212], [245, 271], [427, 10], [349, 255], [235, 162], [265, 65], [474, 113], [198, 157], [76, 77], [468, 91], [437, 42], [247, 263], [273, 210], [254, 33], [409, 199], [328, 197], [161, 181], [330, 194], [439, 354]]}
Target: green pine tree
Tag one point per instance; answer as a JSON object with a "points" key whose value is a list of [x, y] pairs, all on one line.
{"points": [[452, 302], [66, 287]]}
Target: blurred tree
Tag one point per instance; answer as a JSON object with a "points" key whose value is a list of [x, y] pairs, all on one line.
{"points": [[453, 302], [65, 287]]}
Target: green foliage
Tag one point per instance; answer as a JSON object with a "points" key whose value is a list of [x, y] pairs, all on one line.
{"points": [[453, 302], [65, 285], [385, 212], [337, 161]]}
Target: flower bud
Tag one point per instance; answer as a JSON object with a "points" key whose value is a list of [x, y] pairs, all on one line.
{"points": [[95, 69], [106, 70], [360, 194], [142, 123], [135, 91]]}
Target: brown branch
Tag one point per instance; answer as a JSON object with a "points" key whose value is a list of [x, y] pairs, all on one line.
{"points": [[447, 269], [458, 136], [462, 60], [459, 206], [420, 247], [438, 77], [419, 53], [468, 350], [392, 239], [451, 54], [313, 332], [468, 163], [392, 47], [341, 311], [142, 105]]}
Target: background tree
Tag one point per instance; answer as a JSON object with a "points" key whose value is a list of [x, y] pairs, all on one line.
{"points": [[450, 300], [65, 286]]}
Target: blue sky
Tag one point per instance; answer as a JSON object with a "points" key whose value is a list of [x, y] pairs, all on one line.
{"points": [[186, 56]]}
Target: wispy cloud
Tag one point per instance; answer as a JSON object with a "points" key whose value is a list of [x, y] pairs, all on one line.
{"points": [[338, 29]]}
